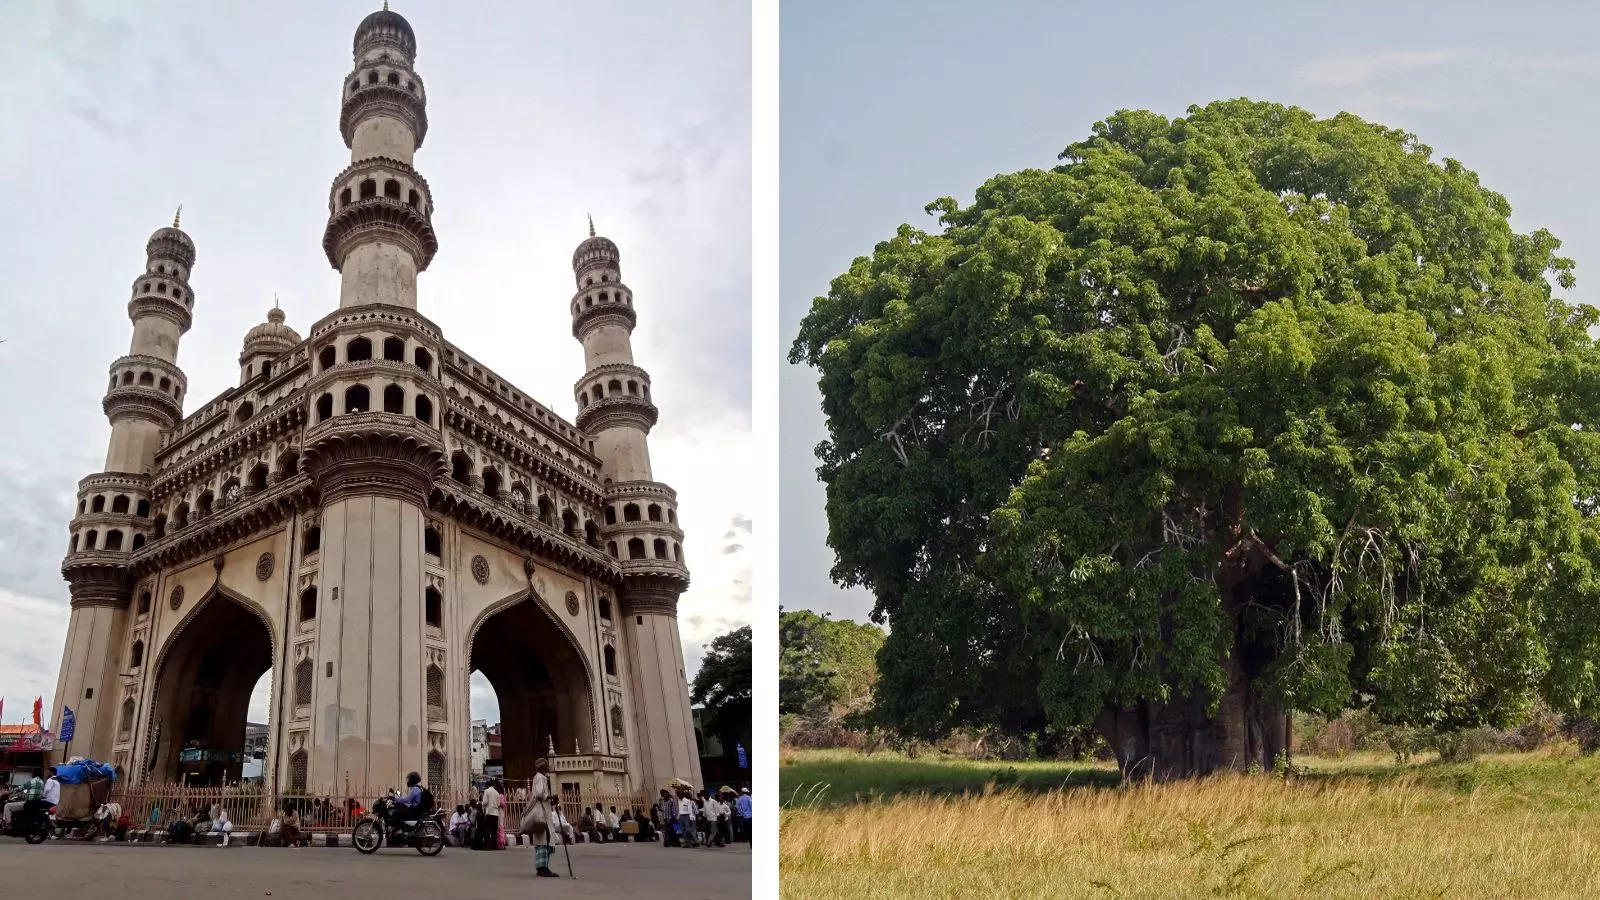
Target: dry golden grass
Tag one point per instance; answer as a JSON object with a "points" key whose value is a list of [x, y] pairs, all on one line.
{"points": [[1508, 826]]}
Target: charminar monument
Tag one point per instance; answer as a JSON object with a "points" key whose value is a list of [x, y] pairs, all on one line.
{"points": [[373, 515]]}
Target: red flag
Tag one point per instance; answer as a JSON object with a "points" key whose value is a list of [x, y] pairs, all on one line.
{"points": [[38, 707]]}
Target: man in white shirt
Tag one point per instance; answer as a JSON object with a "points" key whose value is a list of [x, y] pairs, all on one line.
{"points": [[490, 828], [52, 788], [686, 811], [459, 822]]}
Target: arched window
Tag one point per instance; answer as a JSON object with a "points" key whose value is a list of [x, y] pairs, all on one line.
{"points": [[672, 516], [358, 350], [611, 515], [144, 603], [138, 541], [161, 527], [653, 512], [391, 189], [611, 547], [395, 349], [616, 721], [143, 509], [98, 504], [591, 533], [633, 388], [147, 380], [357, 399], [324, 407], [433, 607], [460, 468], [297, 771], [90, 539], [230, 492], [202, 507], [422, 358], [569, 523], [180, 516], [636, 548], [369, 188], [605, 608], [126, 724], [258, 477], [127, 377], [547, 510], [431, 544], [491, 481], [266, 369], [327, 357], [394, 399], [412, 199], [660, 548], [82, 505], [611, 660], [344, 198], [136, 655], [312, 542], [519, 497], [372, 77], [119, 504], [436, 771], [165, 385], [424, 409], [394, 79], [613, 387], [246, 410], [435, 683], [289, 461], [308, 604], [630, 513], [302, 683]]}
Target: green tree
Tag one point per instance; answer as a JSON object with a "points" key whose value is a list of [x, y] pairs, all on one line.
{"points": [[723, 685], [1224, 415], [824, 663]]}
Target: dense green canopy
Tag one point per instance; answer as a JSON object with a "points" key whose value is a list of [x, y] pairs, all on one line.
{"points": [[825, 665], [1225, 415]]}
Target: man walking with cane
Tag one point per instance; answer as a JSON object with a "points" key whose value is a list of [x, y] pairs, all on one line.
{"points": [[537, 821]]}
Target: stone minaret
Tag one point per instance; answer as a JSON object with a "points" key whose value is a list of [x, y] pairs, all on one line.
{"points": [[143, 399], [373, 444], [642, 529], [379, 233]]}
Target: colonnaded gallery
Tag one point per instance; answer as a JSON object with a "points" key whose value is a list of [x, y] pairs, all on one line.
{"points": [[373, 515]]}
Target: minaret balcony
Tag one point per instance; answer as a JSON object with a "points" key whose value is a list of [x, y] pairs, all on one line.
{"points": [[379, 218], [617, 310], [164, 305], [363, 453], [98, 578], [618, 412], [611, 380], [384, 98], [136, 401]]}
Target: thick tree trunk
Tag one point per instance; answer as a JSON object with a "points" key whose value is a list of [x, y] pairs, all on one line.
{"points": [[1167, 741]]}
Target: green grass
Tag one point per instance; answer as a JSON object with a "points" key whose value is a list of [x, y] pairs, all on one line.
{"points": [[835, 777]]}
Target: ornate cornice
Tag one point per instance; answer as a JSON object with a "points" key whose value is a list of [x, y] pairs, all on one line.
{"points": [[603, 314], [239, 521], [524, 531], [655, 573], [378, 164], [462, 419], [641, 597], [606, 371], [98, 578], [124, 481], [618, 412], [362, 454], [383, 99], [361, 318], [283, 417], [379, 218], [170, 243]]}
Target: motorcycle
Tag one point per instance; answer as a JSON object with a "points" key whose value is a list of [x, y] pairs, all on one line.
{"points": [[424, 831], [31, 823]]}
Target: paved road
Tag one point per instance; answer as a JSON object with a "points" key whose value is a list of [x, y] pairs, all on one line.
{"points": [[72, 871]]}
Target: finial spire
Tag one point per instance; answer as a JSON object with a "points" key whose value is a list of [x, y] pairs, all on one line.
{"points": [[385, 5], [591, 226], [275, 300], [177, 215]]}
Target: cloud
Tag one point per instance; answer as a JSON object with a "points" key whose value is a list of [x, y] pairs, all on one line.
{"points": [[1368, 69], [1362, 68]]}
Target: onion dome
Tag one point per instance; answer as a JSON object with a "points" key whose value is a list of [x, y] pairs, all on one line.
{"points": [[271, 336], [594, 249], [171, 243], [385, 27]]}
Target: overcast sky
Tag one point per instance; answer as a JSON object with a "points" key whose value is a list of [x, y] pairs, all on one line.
{"points": [[887, 106], [538, 113]]}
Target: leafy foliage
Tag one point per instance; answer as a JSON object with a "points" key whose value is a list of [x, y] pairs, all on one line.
{"points": [[825, 663], [1245, 397], [724, 681]]}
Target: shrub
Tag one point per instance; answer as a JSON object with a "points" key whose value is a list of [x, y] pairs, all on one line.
{"points": [[1466, 745]]}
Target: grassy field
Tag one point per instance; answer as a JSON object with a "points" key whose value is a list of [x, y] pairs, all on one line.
{"points": [[1519, 825]]}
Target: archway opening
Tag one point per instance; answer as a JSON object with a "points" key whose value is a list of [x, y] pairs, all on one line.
{"points": [[539, 682], [209, 675]]}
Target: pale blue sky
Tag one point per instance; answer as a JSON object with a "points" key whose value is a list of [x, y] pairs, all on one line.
{"points": [[887, 106]]}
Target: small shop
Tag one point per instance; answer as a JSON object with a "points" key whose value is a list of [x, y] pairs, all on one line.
{"points": [[23, 748]]}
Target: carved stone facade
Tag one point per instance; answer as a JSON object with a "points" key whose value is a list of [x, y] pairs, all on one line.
{"points": [[372, 515]]}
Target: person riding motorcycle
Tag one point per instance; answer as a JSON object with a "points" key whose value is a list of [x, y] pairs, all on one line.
{"points": [[408, 806]]}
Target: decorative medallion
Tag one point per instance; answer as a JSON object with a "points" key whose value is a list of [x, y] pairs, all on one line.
{"points": [[480, 569], [177, 596], [572, 603], [264, 567]]}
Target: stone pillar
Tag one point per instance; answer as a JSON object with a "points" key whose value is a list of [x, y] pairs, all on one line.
{"points": [[664, 730]]}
